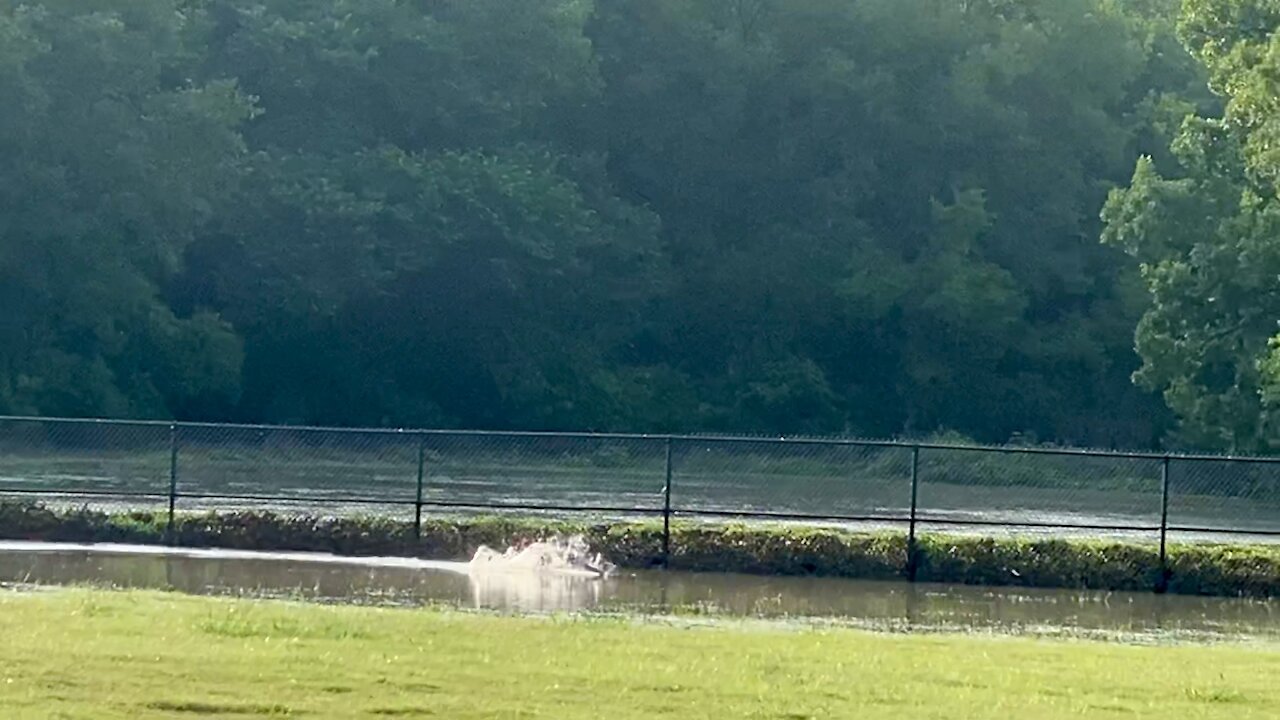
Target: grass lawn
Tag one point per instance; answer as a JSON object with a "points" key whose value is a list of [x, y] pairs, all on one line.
{"points": [[99, 655]]}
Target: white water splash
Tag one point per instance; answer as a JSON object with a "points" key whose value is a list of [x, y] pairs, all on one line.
{"points": [[34, 546], [559, 555], [546, 576]]}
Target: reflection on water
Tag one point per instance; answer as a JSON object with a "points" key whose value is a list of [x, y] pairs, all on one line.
{"points": [[887, 605]]}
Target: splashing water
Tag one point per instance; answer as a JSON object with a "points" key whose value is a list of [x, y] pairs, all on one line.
{"points": [[561, 555]]}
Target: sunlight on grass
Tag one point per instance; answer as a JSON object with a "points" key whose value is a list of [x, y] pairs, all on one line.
{"points": [[95, 654]]}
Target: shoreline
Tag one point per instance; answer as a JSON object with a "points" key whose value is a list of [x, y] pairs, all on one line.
{"points": [[1237, 569]]}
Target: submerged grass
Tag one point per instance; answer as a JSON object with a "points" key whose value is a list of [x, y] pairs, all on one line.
{"points": [[107, 656], [1197, 569]]}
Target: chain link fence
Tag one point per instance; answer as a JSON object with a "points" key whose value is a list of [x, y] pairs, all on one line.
{"points": [[847, 483]]}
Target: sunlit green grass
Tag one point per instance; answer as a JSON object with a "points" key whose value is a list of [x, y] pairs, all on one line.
{"points": [[94, 654]]}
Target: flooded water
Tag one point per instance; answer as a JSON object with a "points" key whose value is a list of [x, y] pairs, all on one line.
{"points": [[878, 605], [860, 487]]}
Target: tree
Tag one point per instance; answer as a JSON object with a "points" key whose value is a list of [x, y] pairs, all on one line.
{"points": [[867, 216], [1206, 236], [904, 194], [113, 160], [422, 238]]}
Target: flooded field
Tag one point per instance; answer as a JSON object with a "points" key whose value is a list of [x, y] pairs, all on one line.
{"points": [[336, 473], [878, 605], [856, 486]]}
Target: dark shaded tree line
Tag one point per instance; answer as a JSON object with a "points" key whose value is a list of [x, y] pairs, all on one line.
{"points": [[878, 217]]}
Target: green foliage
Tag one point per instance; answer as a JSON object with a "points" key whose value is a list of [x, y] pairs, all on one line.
{"points": [[862, 166], [1039, 563], [869, 216], [115, 158], [1223, 570], [1205, 234], [787, 551]]}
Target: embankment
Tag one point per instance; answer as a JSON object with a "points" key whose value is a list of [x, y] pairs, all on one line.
{"points": [[1195, 569]]}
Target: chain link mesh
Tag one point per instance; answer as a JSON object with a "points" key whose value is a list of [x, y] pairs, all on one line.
{"points": [[1211, 494], [324, 470], [817, 480], [1035, 493], [127, 465], [87, 463], [605, 475]]}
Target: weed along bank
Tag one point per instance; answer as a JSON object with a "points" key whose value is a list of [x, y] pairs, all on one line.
{"points": [[1196, 569]]}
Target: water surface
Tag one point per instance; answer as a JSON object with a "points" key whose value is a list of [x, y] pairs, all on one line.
{"points": [[879, 605]]}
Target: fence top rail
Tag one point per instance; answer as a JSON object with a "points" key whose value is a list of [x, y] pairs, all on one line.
{"points": [[668, 437]]}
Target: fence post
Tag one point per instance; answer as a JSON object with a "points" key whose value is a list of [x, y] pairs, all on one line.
{"points": [[911, 529], [417, 503], [173, 482], [666, 512], [1162, 584]]}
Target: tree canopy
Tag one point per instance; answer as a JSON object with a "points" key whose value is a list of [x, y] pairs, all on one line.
{"points": [[877, 217], [1206, 232]]}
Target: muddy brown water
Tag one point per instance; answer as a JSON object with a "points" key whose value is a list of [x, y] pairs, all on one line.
{"points": [[878, 605]]}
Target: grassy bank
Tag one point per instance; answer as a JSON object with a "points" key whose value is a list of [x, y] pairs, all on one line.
{"points": [[102, 655], [1193, 569]]}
